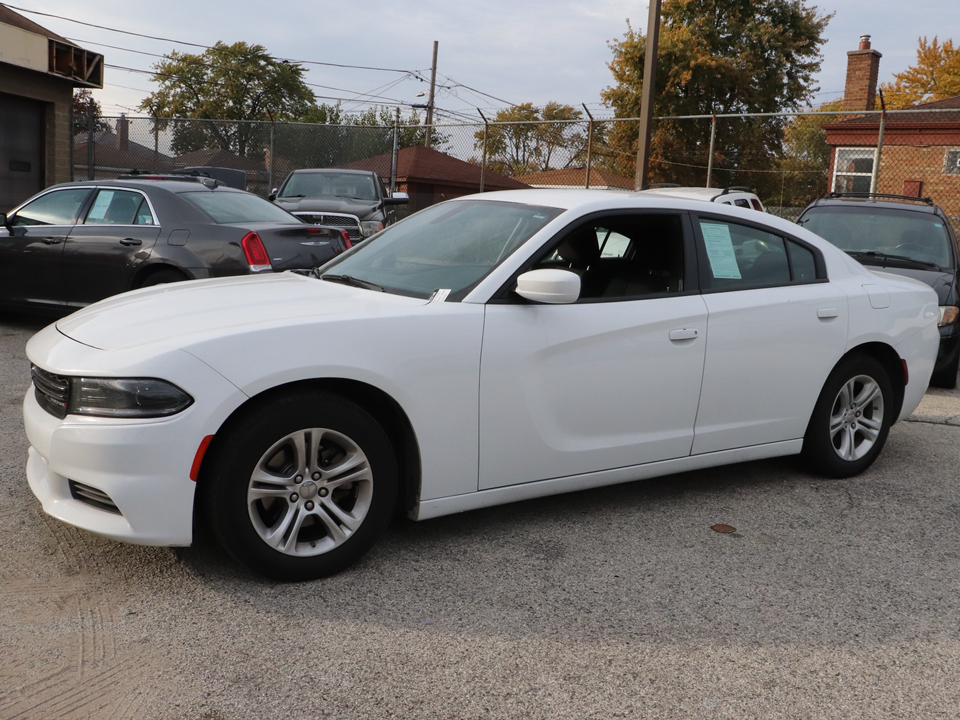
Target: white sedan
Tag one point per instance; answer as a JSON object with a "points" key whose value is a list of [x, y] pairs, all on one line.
{"points": [[489, 349]]}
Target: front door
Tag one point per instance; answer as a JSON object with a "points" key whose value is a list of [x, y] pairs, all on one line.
{"points": [[610, 381]]}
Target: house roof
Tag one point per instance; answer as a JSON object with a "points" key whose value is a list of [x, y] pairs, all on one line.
{"points": [[426, 165], [577, 177], [9, 17], [215, 157], [950, 114], [106, 140]]}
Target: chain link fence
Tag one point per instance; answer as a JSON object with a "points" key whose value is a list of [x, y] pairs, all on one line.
{"points": [[788, 159]]}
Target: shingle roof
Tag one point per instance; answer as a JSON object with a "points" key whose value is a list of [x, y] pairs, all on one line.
{"points": [[423, 164], [577, 177]]}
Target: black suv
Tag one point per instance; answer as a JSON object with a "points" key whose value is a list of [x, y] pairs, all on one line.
{"points": [[904, 235], [355, 200]]}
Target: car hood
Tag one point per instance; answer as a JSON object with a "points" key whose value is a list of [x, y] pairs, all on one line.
{"points": [[170, 315], [360, 208], [943, 281]]}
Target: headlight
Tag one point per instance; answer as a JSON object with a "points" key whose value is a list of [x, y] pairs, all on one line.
{"points": [[125, 397], [948, 315], [370, 227]]}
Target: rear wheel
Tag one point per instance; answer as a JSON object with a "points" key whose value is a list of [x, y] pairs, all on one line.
{"points": [[162, 277], [851, 419], [302, 487]]}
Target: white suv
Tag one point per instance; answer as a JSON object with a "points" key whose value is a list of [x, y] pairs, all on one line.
{"points": [[737, 195]]}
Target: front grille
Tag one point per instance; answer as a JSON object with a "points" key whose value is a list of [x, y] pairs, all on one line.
{"points": [[52, 391], [350, 223], [93, 497]]}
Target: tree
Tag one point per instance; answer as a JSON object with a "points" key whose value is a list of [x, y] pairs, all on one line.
{"points": [[530, 140], [935, 76], [238, 82], [806, 157], [715, 56], [83, 100]]}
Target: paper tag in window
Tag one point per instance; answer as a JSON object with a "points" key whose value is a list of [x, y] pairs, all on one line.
{"points": [[439, 295], [719, 244]]}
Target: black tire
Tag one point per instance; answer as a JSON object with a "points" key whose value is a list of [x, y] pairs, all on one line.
{"points": [[947, 378], [851, 419], [162, 277], [337, 497]]}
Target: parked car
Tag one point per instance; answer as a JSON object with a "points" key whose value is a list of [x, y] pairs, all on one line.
{"points": [[903, 235], [481, 351], [79, 242], [736, 195], [355, 200]]}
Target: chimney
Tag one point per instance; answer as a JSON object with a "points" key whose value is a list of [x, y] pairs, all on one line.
{"points": [[123, 133], [863, 66]]}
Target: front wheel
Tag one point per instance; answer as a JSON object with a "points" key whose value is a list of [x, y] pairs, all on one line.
{"points": [[851, 419], [301, 487]]}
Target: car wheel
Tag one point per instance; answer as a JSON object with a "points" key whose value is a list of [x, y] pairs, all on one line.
{"points": [[947, 378], [301, 487], [851, 419], [162, 277]]}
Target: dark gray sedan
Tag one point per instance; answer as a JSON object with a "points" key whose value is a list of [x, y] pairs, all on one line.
{"points": [[76, 243]]}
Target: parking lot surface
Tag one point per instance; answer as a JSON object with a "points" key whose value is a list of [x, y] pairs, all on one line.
{"points": [[832, 599]]}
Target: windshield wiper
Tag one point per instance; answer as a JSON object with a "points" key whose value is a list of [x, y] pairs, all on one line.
{"points": [[352, 281], [873, 254], [284, 197]]}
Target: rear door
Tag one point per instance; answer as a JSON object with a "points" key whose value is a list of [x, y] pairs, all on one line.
{"points": [[776, 328], [103, 251]]}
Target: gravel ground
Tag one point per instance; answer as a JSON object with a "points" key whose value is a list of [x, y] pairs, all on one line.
{"points": [[833, 599]]}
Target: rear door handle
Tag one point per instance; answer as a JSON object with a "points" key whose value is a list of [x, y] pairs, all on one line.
{"points": [[51, 240], [683, 334], [827, 313], [131, 241]]}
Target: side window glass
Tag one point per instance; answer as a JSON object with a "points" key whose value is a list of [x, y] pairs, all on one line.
{"points": [[118, 207], [739, 256], [55, 208], [623, 256], [803, 262]]}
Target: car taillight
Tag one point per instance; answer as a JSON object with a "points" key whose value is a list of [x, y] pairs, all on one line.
{"points": [[346, 239], [256, 253]]}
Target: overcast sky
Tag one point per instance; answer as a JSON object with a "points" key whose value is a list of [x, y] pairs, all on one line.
{"points": [[490, 53]]}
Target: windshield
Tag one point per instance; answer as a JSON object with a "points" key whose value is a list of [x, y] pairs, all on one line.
{"points": [[330, 184], [451, 246], [226, 208], [921, 237]]}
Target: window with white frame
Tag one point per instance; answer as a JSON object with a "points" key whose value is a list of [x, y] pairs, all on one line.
{"points": [[953, 163], [853, 169]]}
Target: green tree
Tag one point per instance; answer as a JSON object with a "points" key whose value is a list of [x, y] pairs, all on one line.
{"points": [[238, 82], [83, 100], [715, 56], [806, 157], [524, 139], [935, 76]]}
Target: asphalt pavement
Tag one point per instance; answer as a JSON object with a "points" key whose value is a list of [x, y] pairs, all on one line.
{"points": [[831, 599]]}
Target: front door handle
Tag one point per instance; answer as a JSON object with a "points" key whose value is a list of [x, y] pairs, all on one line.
{"points": [[51, 240], [131, 241], [683, 334]]}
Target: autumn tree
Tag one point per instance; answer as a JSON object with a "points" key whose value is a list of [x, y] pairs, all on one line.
{"points": [[238, 82], [83, 102], [935, 76], [715, 57], [524, 139], [806, 157]]}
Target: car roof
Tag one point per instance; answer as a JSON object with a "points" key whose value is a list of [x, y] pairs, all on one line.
{"points": [[169, 185], [923, 205]]}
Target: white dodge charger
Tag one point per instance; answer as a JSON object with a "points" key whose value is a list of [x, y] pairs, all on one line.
{"points": [[489, 349]]}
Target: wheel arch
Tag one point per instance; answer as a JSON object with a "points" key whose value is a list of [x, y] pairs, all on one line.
{"points": [[892, 363], [379, 404]]}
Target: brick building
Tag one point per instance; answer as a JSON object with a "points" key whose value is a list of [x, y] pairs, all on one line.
{"points": [[38, 73], [920, 151]]}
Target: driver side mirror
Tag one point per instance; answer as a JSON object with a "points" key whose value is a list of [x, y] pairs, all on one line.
{"points": [[549, 285], [273, 195]]}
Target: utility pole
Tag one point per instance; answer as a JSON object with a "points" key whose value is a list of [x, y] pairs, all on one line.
{"points": [[648, 94], [433, 87]]}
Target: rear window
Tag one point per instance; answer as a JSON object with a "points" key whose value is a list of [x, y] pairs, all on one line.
{"points": [[226, 208], [862, 228]]}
